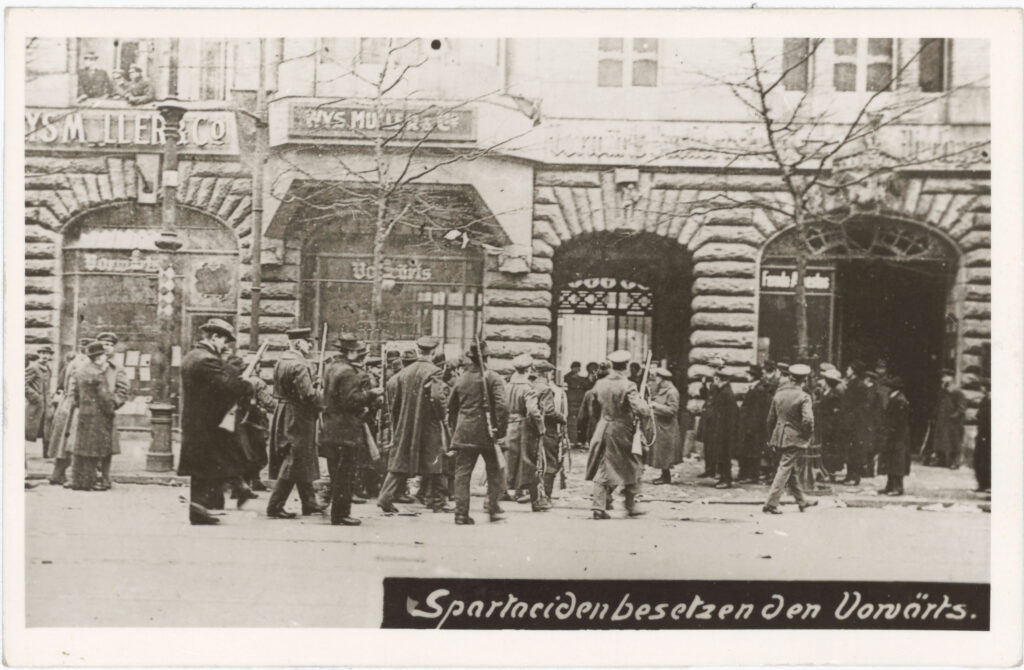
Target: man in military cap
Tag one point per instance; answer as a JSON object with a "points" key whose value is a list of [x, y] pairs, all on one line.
{"points": [[590, 410], [417, 446], [554, 409], [117, 380], [791, 425], [524, 419], [294, 461], [667, 449], [826, 418], [349, 397], [208, 452], [37, 395], [475, 396], [611, 461]]}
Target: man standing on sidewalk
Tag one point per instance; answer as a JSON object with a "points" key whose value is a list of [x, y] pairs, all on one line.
{"points": [[117, 380], [293, 428], [37, 396], [791, 425], [948, 426]]}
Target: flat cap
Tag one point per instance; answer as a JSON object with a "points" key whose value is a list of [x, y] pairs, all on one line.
{"points": [[346, 342], [107, 337], [663, 372], [427, 343], [45, 349], [522, 361], [300, 333], [219, 327], [543, 366], [620, 356], [826, 366], [84, 342], [799, 370], [832, 374], [95, 348], [755, 371], [409, 355]]}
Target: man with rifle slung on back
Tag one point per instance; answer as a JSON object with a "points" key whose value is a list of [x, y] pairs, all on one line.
{"points": [[477, 410]]}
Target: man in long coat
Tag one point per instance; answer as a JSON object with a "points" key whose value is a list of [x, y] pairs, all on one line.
{"points": [[554, 410], [96, 405], [65, 418], [826, 418], [667, 450], [293, 428], [753, 418], [894, 459], [590, 410], [948, 424], [118, 382], [983, 441], [859, 417], [720, 427], [611, 461], [791, 426], [468, 408], [349, 396], [417, 446], [37, 396], [524, 418], [209, 390], [576, 386]]}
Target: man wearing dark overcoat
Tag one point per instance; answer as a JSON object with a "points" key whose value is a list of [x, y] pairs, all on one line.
{"points": [[349, 396], [611, 461], [753, 418], [209, 390], [590, 411], [790, 427], [117, 379], [95, 402], [63, 428], [37, 396], [858, 421], [983, 441], [468, 408], [577, 385], [417, 446], [894, 459], [720, 427], [293, 428], [826, 418], [948, 423]]}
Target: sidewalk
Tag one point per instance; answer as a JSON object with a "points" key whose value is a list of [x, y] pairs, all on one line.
{"points": [[925, 487]]}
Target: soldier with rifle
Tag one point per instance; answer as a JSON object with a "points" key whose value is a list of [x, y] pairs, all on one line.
{"points": [[477, 410], [349, 398], [554, 407], [293, 429], [525, 422]]}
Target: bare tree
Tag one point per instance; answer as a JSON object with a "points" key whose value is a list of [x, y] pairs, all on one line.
{"points": [[831, 162], [400, 136]]}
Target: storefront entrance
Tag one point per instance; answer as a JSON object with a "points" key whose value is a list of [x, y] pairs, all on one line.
{"points": [[879, 292], [617, 290]]}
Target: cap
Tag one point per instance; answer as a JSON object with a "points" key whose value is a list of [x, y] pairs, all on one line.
{"points": [[620, 356], [390, 354], [663, 372], [832, 374], [107, 337], [543, 366], [604, 366], [300, 333], [219, 327], [799, 370], [45, 349], [347, 342], [95, 349], [90, 55], [438, 358], [755, 371], [471, 353], [826, 366], [84, 342], [522, 361], [782, 367], [373, 360], [427, 343], [409, 355]]}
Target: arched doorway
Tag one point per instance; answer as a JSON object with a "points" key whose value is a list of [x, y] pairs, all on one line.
{"points": [[622, 290], [877, 289]]}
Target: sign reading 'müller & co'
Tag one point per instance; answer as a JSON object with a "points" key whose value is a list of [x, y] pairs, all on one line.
{"points": [[424, 122]]}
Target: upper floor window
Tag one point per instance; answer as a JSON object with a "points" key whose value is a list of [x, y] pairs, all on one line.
{"points": [[120, 68], [932, 58], [617, 56], [796, 63], [863, 64], [213, 69]]}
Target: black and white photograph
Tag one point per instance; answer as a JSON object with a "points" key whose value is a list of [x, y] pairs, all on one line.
{"points": [[613, 326]]}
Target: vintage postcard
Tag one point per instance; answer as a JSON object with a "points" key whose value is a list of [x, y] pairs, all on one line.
{"points": [[642, 337]]}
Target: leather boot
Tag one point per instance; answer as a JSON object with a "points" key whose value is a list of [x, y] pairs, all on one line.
{"points": [[549, 484]]}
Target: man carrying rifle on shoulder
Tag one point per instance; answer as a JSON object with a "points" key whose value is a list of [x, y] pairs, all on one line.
{"points": [[477, 410], [554, 407]]}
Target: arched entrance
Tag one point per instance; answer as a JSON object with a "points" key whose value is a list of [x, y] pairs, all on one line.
{"points": [[622, 290], [876, 289]]}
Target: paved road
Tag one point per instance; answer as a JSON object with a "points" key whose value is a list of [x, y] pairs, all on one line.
{"points": [[129, 558]]}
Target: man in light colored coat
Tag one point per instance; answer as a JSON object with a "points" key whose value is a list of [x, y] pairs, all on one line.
{"points": [[791, 425]]}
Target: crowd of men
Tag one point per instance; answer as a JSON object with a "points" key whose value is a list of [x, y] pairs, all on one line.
{"points": [[415, 418]]}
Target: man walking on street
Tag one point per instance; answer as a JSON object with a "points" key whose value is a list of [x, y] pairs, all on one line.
{"points": [[791, 425], [293, 428], [554, 409], [524, 418], [117, 380], [590, 411], [611, 461], [474, 396]]}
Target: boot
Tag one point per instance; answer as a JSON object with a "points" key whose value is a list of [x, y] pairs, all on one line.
{"points": [[549, 484], [60, 471], [538, 504]]}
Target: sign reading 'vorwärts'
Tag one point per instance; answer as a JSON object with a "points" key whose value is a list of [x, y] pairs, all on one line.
{"points": [[435, 124]]}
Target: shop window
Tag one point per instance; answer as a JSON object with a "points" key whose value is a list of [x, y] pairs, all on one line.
{"points": [[615, 60], [863, 65], [796, 63], [932, 65]]}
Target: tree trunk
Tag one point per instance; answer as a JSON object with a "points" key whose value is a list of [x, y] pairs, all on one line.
{"points": [[377, 299], [802, 347]]}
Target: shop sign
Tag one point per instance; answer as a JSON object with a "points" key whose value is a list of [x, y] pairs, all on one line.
{"points": [[134, 130], [411, 270], [311, 121], [136, 263], [778, 279]]}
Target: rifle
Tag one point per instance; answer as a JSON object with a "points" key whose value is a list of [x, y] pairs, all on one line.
{"points": [[564, 454], [638, 437], [492, 429], [231, 417], [320, 380]]}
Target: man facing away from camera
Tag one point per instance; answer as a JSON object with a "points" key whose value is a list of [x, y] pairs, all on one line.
{"points": [[791, 425]]}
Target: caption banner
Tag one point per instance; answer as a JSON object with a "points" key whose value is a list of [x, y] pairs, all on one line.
{"points": [[537, 604]]}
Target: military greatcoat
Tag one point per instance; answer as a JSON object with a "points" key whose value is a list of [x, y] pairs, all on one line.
{"points": [[466, 409], [96, 404], [948, 429], [667, 449], [611, 460], [63, 428], [417, 439], [347, 399], [753, 416], [37, 399], [293, 427], [894, 459], [525, 425]]}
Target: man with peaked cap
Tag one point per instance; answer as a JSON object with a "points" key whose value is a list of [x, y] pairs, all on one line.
{"points": [[37, 395], [590, 411], [468, 408], [826, 419], [708, 388], [418, 442], [667, 450], [611, 461], [948, 422], [399, 362], [720, 428], [753, 417], [791, 426], [525, 420], [65, 417], [894, 459], [293, 429], [209, 455], [543, 459], [117, 379], [349, 397]]}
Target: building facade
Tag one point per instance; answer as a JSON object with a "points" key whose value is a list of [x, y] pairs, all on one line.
{"points": [[576, 196]]}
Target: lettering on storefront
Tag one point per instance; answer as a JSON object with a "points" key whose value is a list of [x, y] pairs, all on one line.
{"points": [[359, 123], [209, 132], [411, 270], [785, 280], [135, 263]]}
